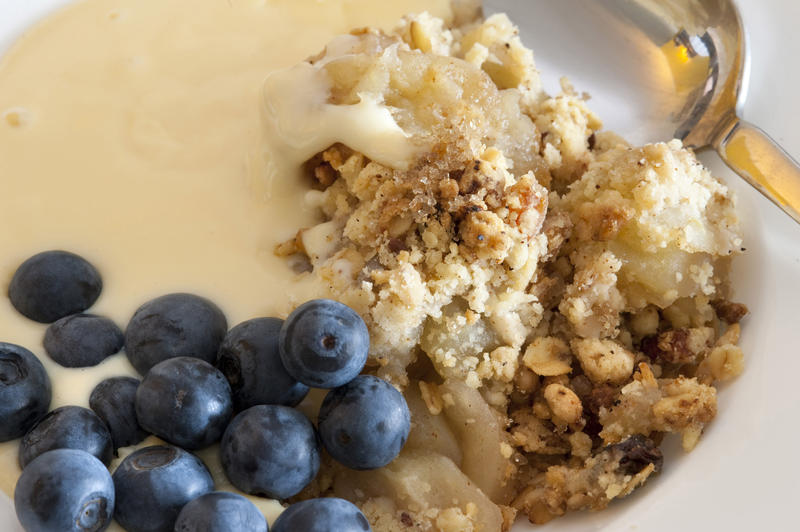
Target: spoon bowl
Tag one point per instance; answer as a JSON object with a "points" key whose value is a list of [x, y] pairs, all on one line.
{"points": [[666, 69]]}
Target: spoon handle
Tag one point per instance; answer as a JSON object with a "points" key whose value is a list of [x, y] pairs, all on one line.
{"points": [[752, 154]]}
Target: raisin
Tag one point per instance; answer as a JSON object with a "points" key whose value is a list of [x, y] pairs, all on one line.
{"points": [[397, 245], [591, 141], [637, 453], [600, 396]]}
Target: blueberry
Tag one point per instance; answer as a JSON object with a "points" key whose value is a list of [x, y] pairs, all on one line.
{"points": [[250, 359], [113, 400], [220, 511], [364, 424], [24, 391], [270, 450], [171, 326], [54, 284], [328, 514], [185, 401], [154, 483], [65, 490], [324, 343], [68, 427], [82, 340]]}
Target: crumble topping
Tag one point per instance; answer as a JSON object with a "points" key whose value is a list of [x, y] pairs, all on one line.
{"points": [[552, 301]]}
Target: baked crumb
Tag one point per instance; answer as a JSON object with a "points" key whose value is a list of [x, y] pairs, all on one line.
{"points": [[551, 300]]}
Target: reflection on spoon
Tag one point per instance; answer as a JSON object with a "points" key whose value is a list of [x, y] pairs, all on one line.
{"points": [[691, 87]]}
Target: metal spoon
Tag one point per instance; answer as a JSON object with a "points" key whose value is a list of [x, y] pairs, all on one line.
{"points": [[678, 66]]}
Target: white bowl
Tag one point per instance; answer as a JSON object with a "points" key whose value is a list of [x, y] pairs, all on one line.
{"points": [[745, 473]]}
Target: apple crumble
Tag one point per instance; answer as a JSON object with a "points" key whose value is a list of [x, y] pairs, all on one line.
{"points": [[551, 300]]}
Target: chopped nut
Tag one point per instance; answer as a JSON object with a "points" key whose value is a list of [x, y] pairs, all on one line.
{"points": [[548, 356], [730, 336], [729, 311], [535, 435], [536, 301], [722, 364], [648, 405], [614, 471], [604, 361], [679, 346], [484, 233], [563, 402]]}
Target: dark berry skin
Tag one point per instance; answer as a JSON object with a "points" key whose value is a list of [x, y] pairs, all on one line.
{"points": [[251, 361], [270, 450], [82, 340], [68, 427], [154, 483], [174, 325], [54, 284], [65, 490], [220, 511], [113, 400], [365, 423], [25, 391], [324, 343], [327, 514], [185, 401]]}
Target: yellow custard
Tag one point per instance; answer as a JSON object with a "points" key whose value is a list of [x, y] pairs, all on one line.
{"points": [[130, 133]]}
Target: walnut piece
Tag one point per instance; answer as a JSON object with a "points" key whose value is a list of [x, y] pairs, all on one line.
{"points": [[548, 356], [603, 361]]}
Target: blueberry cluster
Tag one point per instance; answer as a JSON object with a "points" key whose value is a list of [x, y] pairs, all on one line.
{"points": [[201, 384]]}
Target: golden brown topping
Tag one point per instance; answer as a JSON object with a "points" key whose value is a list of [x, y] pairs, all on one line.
{"points": [[679, 346], [483, 232], [601, 222], [557, 227], [564, 403], [592, 303], [527, 305], [648, 405], [548, 356], [723, 363], [729, 311], [600, 397], [536, 435], [526, 201], [613, 472], [604, 361]]}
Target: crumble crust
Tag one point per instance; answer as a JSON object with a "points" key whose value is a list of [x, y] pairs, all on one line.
{"points": [[552, 301]]}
